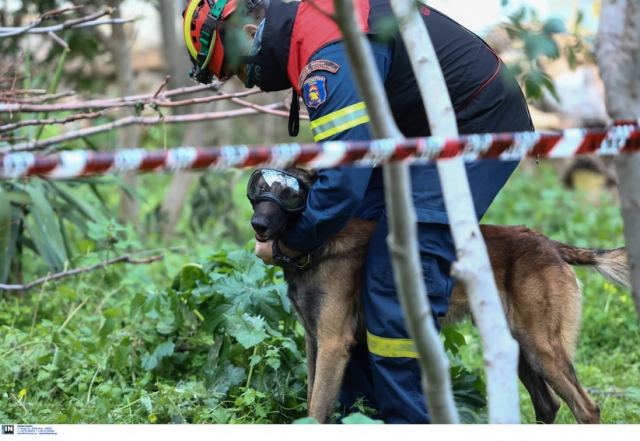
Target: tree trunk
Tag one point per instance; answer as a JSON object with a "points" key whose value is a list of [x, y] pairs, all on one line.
{"points": [[177, 65], [129, 136], [618, 54], [402, 239], [473, 267], [173, 49]]}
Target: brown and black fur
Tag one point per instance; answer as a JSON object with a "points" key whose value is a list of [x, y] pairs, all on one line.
{"points": [[537, 285]]}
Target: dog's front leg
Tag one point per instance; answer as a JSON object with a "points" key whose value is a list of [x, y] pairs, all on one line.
{"points": [[312, 351], [331, 362]]}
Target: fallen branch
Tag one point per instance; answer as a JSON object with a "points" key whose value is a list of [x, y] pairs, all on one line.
{"points": [[74, 272]]}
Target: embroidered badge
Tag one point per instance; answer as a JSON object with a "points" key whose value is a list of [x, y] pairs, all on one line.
{"points": [[326, 65], [314, 91]]}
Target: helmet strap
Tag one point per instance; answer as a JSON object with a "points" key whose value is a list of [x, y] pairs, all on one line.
{"points": [[294, 114], [208, 35]]}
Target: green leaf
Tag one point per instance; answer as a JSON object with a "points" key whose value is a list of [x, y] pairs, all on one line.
{"points": [[188, 277], [247, 330], [8, 235], [537, 45], [44, 228], [228, 376], [306, 420], [75, 202], [358, 418], [554, 26], [453, 340], [161, 351]]}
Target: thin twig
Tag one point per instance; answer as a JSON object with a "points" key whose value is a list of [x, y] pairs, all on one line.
{"points": [[122, 259], [36, 99], [59, 40], [49, 121], [162, 86], [32, 28]]}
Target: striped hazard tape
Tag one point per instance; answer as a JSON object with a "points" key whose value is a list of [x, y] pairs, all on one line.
{"points": [[616, 140]]}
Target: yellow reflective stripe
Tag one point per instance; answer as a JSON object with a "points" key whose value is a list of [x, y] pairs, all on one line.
{"points": [[391, 347], [188, 16], [341, 128], [337, 114]]}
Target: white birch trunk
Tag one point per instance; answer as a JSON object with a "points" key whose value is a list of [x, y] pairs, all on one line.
{"points": [[618, 54], [473, 267], [402, 239]]}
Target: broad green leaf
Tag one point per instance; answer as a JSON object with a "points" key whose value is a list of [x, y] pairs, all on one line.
{"points": [[248, 330], [306, 420], [358, 418], [44, 228], [188, 277], [8, 235], [227, 377], [554, 26], [75, 202], [161, 351]]}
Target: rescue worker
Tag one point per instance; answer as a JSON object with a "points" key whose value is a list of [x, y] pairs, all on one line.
{"points": [[297, 45]]}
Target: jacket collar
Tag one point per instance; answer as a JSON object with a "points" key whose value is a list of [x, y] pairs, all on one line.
{"points": [[268, 68]]}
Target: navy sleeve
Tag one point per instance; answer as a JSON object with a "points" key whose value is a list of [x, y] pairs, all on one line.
{"points": [[337, 113]]}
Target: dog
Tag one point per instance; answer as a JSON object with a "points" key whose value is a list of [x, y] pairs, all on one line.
{"points": [[538, 288]]}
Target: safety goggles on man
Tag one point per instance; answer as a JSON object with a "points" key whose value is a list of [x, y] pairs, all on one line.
{"points": [[285, 189]]}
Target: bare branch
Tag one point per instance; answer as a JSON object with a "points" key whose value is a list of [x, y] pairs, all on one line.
{"points": [[162, 86], [59, 40], [35, 99], [89, 20], [41, 122], [127, 258], [139, 120], [129, 101]]}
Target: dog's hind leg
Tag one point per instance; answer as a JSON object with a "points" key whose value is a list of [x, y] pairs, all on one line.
{"points": [[545, 404], [563, 380], [552, 362]]}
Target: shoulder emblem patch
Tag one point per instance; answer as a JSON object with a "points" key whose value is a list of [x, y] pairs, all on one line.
{"points": [[315, 65], [314, 91]]}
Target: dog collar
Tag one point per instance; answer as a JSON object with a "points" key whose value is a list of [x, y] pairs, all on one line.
{"points": [[300, 263]]}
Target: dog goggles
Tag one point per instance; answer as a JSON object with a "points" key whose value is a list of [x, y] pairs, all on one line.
{"points": [[286, 190]]}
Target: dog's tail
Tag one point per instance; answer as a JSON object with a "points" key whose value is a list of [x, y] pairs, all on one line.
{"points": [[612, 264]]}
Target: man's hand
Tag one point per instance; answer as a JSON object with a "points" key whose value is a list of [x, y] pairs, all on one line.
{"points": [[264, 250]]}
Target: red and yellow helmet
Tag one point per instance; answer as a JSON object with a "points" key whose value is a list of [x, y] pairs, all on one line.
{"points": [[202, 20]]}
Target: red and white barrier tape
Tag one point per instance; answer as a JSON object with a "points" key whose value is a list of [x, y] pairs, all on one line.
{"points": [[503, 146]]}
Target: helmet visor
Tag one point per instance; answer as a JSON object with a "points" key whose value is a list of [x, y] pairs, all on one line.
{"points": [[289, 192]]}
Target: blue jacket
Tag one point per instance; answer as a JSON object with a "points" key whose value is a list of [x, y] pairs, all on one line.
{"points": [[485, 96]]}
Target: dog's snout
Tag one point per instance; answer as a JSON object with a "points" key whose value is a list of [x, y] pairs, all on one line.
{"points": [[259, 225]]}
